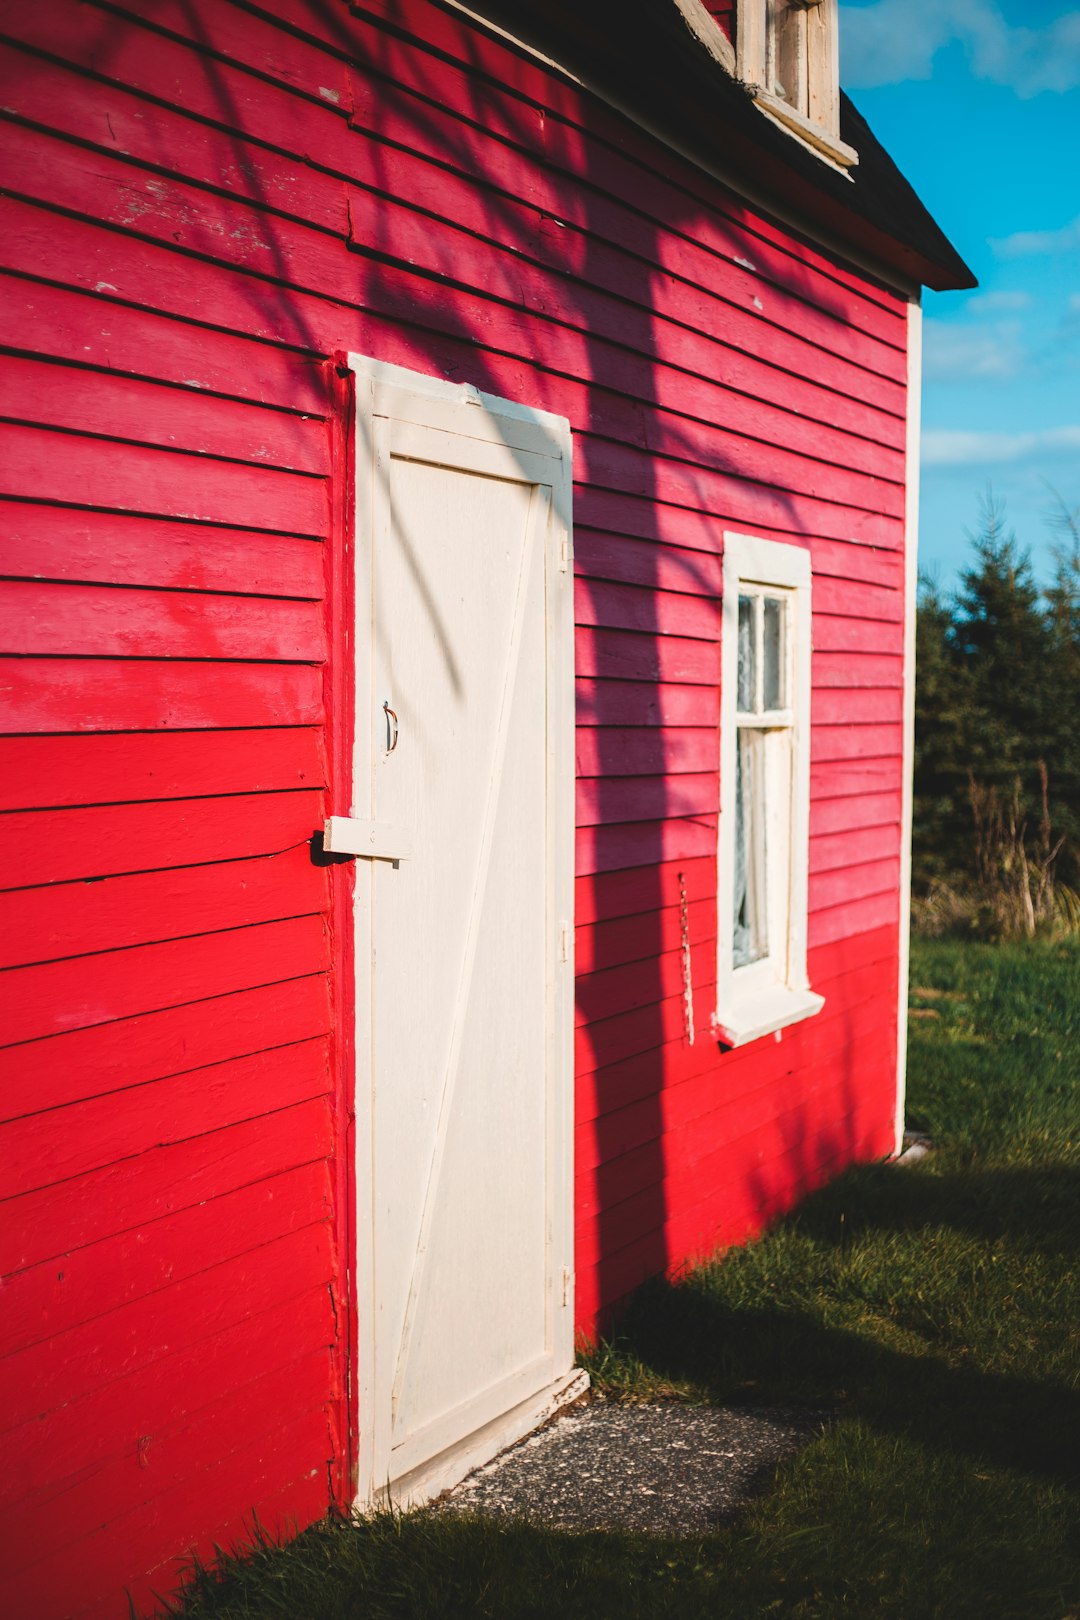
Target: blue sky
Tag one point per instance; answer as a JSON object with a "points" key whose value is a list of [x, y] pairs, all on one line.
{"points": [[978, 101]]}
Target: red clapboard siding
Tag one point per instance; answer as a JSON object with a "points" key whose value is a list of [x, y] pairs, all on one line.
{"points": [[145, 1331], [42, 464], [59, 321], [95, 1429], [152, 1183], [176, 1517], [116, 912], [97, 1132], [101, 1277], [55, 846], [63, 543], [205, 204], [127, 1052], [54, 771], [146, 413], [59, 694], [169, 1454], [94, 620], [82, 991]]}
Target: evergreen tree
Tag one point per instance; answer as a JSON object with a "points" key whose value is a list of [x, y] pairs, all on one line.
{"points": [[1003, 639], [944, 725], [1063, 625]]}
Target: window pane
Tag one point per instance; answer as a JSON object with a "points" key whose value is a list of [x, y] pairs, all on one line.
{"points": [[750, 940], [747, 670], [774, 653]]}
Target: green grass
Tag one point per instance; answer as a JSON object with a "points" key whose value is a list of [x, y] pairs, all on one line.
{"points": [[934, 1309]]}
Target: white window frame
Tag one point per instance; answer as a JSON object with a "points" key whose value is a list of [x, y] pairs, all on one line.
{"points": [[766, 995], [814, 115]]}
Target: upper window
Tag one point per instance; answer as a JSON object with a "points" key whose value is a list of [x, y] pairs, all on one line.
{"points": [[764, 790], [787, 53]]}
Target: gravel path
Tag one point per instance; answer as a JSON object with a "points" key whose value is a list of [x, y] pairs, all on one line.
{"points": [[669, 1469]]}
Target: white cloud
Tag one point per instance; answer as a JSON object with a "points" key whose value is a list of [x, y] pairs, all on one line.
{"points": [[1023, 244], [957, 353], [958, 447], [894, 40], [990, 303]]}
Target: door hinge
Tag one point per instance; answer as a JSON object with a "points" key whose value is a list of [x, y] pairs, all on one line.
{"points": [[566, 553], [566, 1285], [566, 940]]}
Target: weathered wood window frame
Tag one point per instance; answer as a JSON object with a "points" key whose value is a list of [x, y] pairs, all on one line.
{"points": [[787, 54], [764, 827]]}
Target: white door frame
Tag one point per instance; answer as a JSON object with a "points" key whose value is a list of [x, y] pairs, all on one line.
{"points": [[537, 448]]}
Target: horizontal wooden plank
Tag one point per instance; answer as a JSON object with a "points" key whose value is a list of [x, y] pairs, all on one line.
{"points": [[848, 779], [94, 621], [844, 813], [157, 1181], [849, 918], [857, 705], [46, 1300], [40, 464], [632, 607], [81, 991], [97, 1562], [48, 1073], [854, 847], [148, 1331], [836, 633], [849, 885], [881, 741], [637, 843], [95, 1427], [633, 656], [46, 1148], [644, 983], [48, 772], [91, 694], [59, 322], [642, 935], [56, 846], [601, 555], [645, 751], [181, 1450], [45, 924], [645, 703], [605, 800], [111, 548], [863, 667], [172, 417], [602, 897]]}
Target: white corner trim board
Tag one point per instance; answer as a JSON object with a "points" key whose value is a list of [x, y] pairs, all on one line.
{"points": [[911, 585]]}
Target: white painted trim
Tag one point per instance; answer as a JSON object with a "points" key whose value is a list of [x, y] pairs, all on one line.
{"points": [[444, 1472], [510, 440], [733, 178], [748, 1003], [911, 587]]}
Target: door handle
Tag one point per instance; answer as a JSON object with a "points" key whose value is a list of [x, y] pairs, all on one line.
{"points": [[391, 721]]}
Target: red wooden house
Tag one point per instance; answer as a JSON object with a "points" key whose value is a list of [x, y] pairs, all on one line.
{"points": [[376, 373]]}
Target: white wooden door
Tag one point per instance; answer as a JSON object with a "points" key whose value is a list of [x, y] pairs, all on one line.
{"points": [[463, 763]]}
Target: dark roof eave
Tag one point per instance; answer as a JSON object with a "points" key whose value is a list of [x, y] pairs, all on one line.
{"points": [[641, 55]]}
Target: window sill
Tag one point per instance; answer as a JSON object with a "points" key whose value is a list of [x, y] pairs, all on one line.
{"points": [[824, 143], [762, 1012]]}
